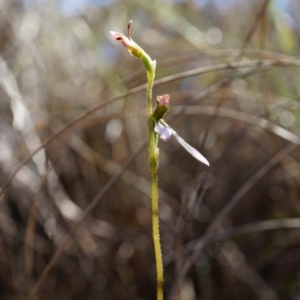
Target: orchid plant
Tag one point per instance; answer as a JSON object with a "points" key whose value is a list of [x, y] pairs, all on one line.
{"points": [[157, 127]]}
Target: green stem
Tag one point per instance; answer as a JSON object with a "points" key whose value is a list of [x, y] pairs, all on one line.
{"points": [[153, 162]]}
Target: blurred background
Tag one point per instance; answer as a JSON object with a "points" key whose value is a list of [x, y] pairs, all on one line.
{"points": [[230, 231]]}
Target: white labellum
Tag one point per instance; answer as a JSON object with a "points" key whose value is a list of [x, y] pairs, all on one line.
{"points": [[165, 132]]}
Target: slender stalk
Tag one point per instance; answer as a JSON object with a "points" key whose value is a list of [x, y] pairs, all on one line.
{"points": [[150, 66], [156, 239], [153, 162]]}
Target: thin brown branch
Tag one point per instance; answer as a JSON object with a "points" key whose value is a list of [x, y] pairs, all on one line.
{"points": [[261, 64]]}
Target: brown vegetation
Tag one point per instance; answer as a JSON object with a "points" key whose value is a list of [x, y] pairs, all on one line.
{"points": [[75, 221]]}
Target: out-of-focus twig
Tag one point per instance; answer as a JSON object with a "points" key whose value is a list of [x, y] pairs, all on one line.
{"points": [[71, 124]]}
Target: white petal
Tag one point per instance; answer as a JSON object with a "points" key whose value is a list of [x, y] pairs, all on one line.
{"points": [[164, 132], [190, 149]]}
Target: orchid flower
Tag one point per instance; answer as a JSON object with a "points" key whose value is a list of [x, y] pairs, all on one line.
{"points": [[165, 131], [128, 42], [133, 48]]}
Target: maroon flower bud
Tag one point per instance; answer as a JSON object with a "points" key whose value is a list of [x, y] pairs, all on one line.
{"points": [[162, 106]]}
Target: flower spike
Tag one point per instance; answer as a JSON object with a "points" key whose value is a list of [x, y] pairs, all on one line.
{"points": [[153, 157]]}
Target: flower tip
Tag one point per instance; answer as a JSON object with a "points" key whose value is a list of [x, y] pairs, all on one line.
{"points": [[115, 35], [163, 100], [128, 28], [206, 162]]}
